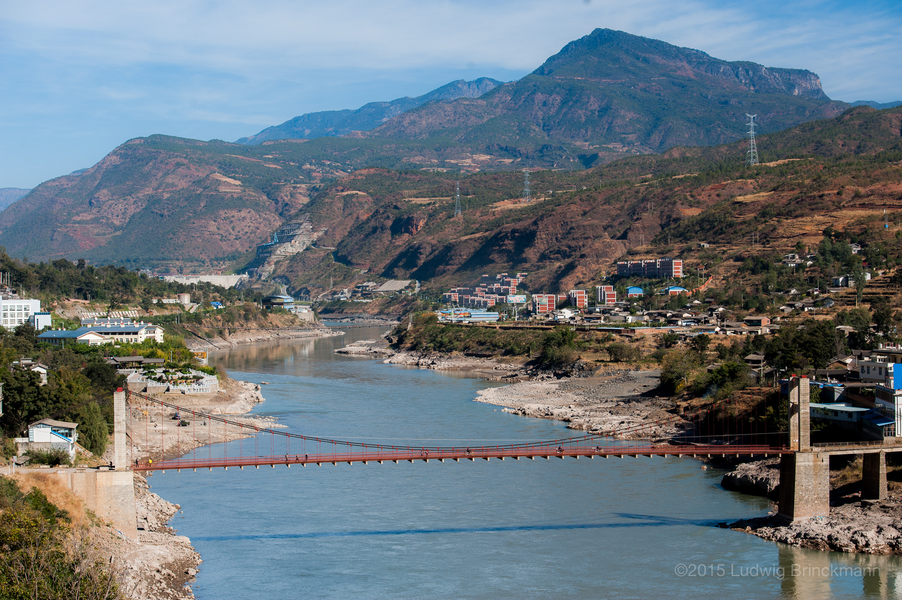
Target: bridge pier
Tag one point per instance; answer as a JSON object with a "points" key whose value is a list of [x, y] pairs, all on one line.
{"points": [[109, 494], [804, 475], [804, 486], [873, 476]]}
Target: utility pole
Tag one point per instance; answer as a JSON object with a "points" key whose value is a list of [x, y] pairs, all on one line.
{"points": [[457, 201], [526, 194]]}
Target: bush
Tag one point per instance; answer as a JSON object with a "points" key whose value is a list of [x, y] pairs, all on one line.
{"points": [[54, 457], [620, 352]]}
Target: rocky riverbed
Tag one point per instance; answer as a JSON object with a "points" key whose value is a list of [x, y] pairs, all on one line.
{"points": [[607, 401], [869, 527]]}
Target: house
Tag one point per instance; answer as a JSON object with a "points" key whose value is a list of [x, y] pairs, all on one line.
{"points": [[661, 268], [15, 311], [578, 298], [82, 335], [131, 363], [634, 291], [393, 286], [29, 365], [278, 301], [757, 321], [674, 290], [47, 435]]}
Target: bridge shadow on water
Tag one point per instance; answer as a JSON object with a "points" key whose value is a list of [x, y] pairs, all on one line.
{"points": [[633, 520]]}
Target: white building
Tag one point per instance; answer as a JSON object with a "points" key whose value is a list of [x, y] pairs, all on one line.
{"points": [[106, 333], [17, 311], [48, 434]]}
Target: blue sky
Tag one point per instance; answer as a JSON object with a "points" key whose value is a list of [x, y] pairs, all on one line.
{"points": [[80, 78]]}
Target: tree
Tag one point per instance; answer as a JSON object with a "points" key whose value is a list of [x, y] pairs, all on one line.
{"points": [[669, 339], [884, 319], [92, 429], [700, 344], [676, 366]]}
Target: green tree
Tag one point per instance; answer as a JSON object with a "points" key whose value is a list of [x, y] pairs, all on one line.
{"points": [[669, 339], [884, 319], [700, 344], [676, 366], [92, 428], [43, 558]]}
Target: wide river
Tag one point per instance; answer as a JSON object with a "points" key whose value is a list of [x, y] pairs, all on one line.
{"points": [[617, 528]]}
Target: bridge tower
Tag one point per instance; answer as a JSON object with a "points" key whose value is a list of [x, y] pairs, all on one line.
{"points": [[805, 474]]}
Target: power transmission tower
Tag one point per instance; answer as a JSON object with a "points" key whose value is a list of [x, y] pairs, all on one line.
{"points": [[526, 195], [753, 147], [457, 202]]}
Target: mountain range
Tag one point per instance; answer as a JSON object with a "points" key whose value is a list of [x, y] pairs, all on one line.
{"points": [[10, 195], [164, 202], [367, 117]]}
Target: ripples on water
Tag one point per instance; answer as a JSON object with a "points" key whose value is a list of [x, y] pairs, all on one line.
{"points": [[514, 529]]}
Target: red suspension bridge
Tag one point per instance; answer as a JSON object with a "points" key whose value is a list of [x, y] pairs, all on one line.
{"points": [[697, 434]]}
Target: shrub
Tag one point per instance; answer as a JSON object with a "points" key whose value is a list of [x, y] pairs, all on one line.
{"points": [[54, 457], [620, 352]]}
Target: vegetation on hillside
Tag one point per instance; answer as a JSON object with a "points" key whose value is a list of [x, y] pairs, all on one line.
{"points": [[113, 285], [43, 554]]}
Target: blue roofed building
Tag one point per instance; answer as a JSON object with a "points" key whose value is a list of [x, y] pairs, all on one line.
{"points": [[109, 332]]}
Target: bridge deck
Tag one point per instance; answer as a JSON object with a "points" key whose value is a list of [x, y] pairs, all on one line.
{"points": [[457, 454]]}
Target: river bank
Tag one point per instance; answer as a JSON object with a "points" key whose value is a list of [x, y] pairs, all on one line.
{"points": [[853, 525], [607, 400], [617, 399], [233, 337], [161, 434]]}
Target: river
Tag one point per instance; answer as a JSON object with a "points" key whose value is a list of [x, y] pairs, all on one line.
{"points": [[624, 528]]}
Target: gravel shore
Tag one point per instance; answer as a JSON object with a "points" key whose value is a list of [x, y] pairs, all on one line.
{"points": [[156, 433], [605, 402], [867, 527]]}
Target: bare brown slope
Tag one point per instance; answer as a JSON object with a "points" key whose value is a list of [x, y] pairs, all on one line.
{"points": [[143, 204]]}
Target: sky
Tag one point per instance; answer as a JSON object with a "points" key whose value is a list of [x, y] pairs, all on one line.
{"points": [[79, 78]]}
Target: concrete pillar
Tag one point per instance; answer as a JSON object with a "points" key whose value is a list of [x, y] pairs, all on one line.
{"points": [[873, 476], [120, 456], [804, 485], [799, 414]]}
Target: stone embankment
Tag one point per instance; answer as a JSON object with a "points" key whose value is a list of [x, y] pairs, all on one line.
{"points": [[230, 338], [868, 527], [159, 564]]}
